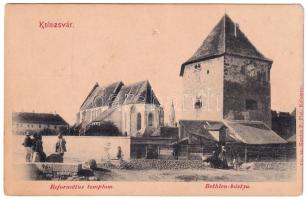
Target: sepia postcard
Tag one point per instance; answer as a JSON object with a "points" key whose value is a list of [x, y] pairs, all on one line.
{"points": [[153, 99]]}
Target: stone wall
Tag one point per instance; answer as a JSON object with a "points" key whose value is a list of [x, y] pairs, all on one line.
{"points": [[244, 80]]}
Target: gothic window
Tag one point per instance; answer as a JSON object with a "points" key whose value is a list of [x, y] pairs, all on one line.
{"points": [[251, 104], [93, 114], [150, 119], [208, 71], [138, 121], [198, 103]]}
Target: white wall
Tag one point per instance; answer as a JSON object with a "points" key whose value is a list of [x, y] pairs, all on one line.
{"points": [[79, 148], [129, 117], [207, 83]]}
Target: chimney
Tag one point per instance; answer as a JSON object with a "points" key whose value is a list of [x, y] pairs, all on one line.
{"points": [[236, 27]]}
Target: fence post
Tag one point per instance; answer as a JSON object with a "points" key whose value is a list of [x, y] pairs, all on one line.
{"points": [[187, 152], [245, 153]]}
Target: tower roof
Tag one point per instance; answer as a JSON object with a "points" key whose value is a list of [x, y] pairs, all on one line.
{"points": [[225, 38]]}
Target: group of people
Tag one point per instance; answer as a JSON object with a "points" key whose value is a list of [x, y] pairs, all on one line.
{"points": [[218, 159], [34, 147]]}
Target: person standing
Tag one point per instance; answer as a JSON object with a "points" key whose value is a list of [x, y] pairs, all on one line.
{"points": [[28, 146], [223, 158], [61, 145], [37, 148], [119, 154]]}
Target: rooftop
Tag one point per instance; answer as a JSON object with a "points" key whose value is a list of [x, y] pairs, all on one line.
{"points": [[225, 38], [38, 118]]}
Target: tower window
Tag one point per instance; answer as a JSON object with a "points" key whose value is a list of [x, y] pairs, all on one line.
{"points": [[259, 76], [198, 103], [208, 71], [197, 67], [264, 78], [251, 104]]}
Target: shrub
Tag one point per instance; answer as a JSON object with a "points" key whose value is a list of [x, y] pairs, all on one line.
{"points": [[104, 129]]}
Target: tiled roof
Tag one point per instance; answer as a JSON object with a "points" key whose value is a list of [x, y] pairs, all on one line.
{"points": [[252, 132], [118, 94], [247, 132], [38, 118], [202, 128], [101, 96], [225, 38], [140, 92]]}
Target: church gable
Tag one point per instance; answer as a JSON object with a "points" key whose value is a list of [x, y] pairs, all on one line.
{"points": [[140, 92], [101, 96]]}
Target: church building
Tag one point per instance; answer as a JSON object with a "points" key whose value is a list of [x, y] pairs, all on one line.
{"points": [[133, 108]]}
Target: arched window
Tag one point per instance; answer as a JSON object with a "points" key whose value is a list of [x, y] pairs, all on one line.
{"points": [[138, 121], [150, 119]]}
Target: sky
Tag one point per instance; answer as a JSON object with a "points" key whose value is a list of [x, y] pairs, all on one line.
{"points": [[53, 70]]}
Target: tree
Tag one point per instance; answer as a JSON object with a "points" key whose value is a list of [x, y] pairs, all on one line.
{"points": [[106, 128]]}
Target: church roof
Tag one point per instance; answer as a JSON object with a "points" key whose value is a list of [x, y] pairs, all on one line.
{"points": [[118, 94], [101, 96], [225, 38], [140, 92]]}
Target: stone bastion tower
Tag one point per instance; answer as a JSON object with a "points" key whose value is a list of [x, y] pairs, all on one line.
{"points": [[227, 78]]}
